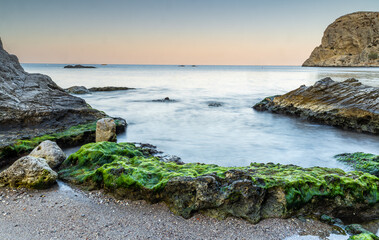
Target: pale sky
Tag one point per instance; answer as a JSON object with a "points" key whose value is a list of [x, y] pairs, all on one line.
{"points": [[226, 32]]}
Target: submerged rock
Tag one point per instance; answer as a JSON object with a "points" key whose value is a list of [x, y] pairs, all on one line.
{"points": [[166, 99], [78, 66], [33, 105], [215, 104], [49, 151], [254, 192], [351, 40], [348, 104], [106, 130], [29, 172]]}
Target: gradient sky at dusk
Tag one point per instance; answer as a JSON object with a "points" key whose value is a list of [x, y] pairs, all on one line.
{"points": [[229, 32]]}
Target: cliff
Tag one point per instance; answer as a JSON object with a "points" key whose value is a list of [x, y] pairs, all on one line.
{"points": [[350, 41]]}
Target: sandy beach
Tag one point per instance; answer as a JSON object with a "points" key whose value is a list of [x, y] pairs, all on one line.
{"points": [[66, 213]]}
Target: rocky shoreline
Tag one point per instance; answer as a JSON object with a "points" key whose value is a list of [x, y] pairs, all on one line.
{"points": [[349, 104]]}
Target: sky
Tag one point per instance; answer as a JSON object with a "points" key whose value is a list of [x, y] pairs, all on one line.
{"points": [[201, 32]]}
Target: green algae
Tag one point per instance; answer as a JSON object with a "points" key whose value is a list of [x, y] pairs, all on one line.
{"points": [[360, 161], [364, 236], [73, 136], [114, 166], [21, 147]]}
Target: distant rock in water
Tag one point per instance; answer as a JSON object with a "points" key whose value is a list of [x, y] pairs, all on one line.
{"points": [[350, 41], [215, 104], [32, 104], [166, 99], [348, 104], [78, 66], [77, 90], [108, 89], [84, 90]]}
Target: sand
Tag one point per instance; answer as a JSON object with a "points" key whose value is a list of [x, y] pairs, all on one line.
{"points": [[63, 212]]}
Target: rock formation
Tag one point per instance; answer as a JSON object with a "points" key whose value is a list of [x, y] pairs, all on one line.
{"points": [[34, 104], [28, 172], [49, 151], [84, 90], [78, 66], [350, 41], [348, 104]]}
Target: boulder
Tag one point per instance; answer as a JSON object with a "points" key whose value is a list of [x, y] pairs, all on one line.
{"points": [[29, 172], [350, 41], [348, 104], [106, 130], [33, 105], [49, 151]]}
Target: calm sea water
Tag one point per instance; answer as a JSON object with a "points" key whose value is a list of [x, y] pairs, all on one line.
{"points": [[230, 135]]}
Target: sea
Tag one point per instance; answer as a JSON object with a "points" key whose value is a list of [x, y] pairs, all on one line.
{"points": [[211, 119]]}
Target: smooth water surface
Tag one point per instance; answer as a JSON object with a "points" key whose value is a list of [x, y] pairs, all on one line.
{"points": [[230, 135]]}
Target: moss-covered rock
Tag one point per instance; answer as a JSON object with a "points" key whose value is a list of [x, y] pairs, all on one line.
{"points": [[74, 136], [254, 192], [360, 161], [364, 236]]}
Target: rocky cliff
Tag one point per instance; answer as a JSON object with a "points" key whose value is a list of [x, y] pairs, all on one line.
{"points": [[32, 104], [350, 41], [348, 104]]}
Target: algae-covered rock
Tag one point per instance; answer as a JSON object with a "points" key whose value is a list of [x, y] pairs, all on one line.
{"points": [[364, 236], [360, 233], [29, 172], [77, 90], [360, 161], [348, 104], [254, 192], [49, 151], [106, 130]]}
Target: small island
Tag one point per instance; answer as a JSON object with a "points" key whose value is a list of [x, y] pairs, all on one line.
{"points": [[78, 66]]}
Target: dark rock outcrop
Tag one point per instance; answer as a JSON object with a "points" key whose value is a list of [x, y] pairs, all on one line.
{"points": [[77, 90], [32, 104], [350, 41], [78, 66], [348, 104], [84, 90]]}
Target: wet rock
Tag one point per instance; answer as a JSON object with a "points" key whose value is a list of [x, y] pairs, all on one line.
{"points": [[77, 90], [49, 151], [78, 66], [215, 104], [360, 233], [106, 130], [29, 172], [351, 40], [171, 158], [32, 104], [166, 99], [348, 104]]}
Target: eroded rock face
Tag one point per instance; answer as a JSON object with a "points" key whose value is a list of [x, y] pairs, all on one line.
{"points": [[29, 172], [35, 104], [49, 151], [348, 104], [106, 130], [351, 40]]}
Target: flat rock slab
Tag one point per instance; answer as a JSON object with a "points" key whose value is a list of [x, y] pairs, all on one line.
{"points": [[348, 104]]}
